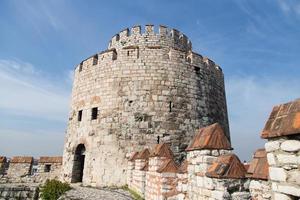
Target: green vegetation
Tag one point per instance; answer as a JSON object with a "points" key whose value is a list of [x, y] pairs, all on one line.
{"points": [[53, 189], [133, 193]]}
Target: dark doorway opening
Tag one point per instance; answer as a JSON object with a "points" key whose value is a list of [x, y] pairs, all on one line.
{"points": [[78, 166]]}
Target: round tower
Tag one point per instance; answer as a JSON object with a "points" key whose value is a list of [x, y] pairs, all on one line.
{"points": [[147, 87]]}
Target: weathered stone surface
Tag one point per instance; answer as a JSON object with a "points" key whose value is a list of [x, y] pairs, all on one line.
{"points": [[294, 177], [85, 193], [19, 191], [271, 159], [287, 159], [289, 189], [290, 145], [280, 196], [277, 174], [272, 146]]}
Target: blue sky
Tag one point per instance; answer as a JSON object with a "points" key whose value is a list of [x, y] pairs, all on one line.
{"points": [[256, 43]]}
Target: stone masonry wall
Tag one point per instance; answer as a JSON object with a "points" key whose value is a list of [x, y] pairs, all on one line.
{"points": [[20, 170], [19, 167], [54, 173], [284, 159], [159, 184], [282, 130], [139, 176], [19, 192], [260, 189], [144, 86], [198, 163]]}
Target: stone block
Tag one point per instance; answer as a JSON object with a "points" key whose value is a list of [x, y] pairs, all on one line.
{"points": [[280, 196], [294, 177], [290, 145], [277, 174], [289, 189], [272, 146], [271, 159], [217, 194], [287, 159]]}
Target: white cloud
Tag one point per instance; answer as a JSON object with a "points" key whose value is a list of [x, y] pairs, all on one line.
{"points": [[289, 6], [26, 92], [250, 101]]}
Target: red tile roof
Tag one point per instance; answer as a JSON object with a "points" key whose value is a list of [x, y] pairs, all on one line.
{"points": [[210, 137], [168, 166], [21, 159], [133, 156], [162, 150], [227, 166], [55, 159], [146, 167], [143, 154], [259, 167], [284, 120], [2, 159]]}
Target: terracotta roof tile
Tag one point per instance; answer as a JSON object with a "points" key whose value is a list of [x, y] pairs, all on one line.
{"points": [[162, 150], [183, 167], [21, 159], [210, 137], [143, 154], [259, 167], [246, 165], [284, 120], [168, 166], [133, 157], [146, 167], [55, 159], [2, 159], [227, 166]]}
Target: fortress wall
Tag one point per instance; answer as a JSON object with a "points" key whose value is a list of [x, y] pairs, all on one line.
{"points": [[20, 167]]}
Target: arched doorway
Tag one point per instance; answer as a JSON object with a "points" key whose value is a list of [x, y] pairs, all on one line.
{"points": [[78, 165]]}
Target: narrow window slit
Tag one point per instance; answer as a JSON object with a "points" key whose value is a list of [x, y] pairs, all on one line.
{"points": [[170, 106], [79, 115], [94, 113], [95, 59], [80, 66]]}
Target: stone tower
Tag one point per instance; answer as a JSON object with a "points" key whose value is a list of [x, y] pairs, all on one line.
{"points": [[147, 87]]}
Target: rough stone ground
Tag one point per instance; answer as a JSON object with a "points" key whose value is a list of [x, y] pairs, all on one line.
{"points": [[86, 193]]}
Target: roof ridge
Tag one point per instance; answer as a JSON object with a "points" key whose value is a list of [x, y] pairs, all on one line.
{"points": [[168, 166]]}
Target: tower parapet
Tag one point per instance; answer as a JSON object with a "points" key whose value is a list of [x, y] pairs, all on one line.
{"points": [[165, 37]]}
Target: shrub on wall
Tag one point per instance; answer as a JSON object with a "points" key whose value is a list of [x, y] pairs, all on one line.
{"points": [[53, 189]]}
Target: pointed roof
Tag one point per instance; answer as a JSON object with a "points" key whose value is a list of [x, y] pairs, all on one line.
{"points": [[133, 156], [146, 167], [284, 120], [143, 154], [227, 166], [210, 137], [21, 159], [53, 159], [259, 167], [162, 150], [2, 159], [168, 166]]}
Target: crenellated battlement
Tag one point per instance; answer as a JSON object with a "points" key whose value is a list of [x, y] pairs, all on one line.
{"points": [[147, 35]]}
